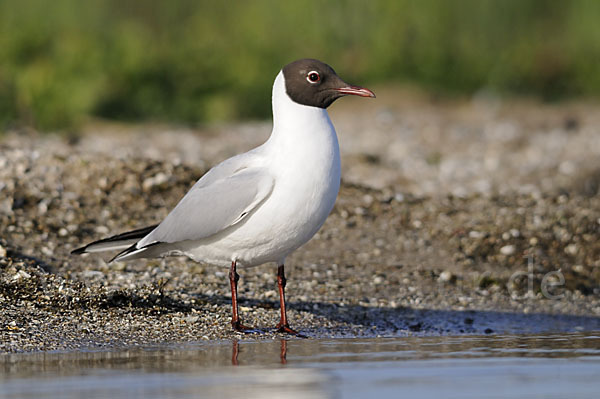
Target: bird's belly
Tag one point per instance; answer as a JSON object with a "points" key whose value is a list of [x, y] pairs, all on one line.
{"points": [[288, 218]]}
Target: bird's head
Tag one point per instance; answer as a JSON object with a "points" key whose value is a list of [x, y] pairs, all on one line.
{"points": [[314, 83]]}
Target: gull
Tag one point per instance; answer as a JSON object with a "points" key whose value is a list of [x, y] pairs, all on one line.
{"points": [[259, 206]]}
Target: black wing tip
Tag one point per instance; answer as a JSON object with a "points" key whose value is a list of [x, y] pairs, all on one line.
{"points": [[138, 233], [126, 251], [133, 248], [79, 251]]}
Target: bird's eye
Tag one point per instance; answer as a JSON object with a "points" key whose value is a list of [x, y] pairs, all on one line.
{"points": [[313, 77]]}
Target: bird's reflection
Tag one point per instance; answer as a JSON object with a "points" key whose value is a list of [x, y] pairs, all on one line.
{"points": [[283, 352], [235, 351]]}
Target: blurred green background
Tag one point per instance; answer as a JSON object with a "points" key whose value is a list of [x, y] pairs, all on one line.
{"points": [[64, 62]]}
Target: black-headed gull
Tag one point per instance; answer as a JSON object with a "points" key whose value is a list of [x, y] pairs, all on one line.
{"points": [[259, 206]]}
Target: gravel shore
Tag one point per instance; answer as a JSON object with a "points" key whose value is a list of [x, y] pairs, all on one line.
{"points": [[470, 217]]}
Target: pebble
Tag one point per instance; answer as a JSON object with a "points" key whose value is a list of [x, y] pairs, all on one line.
{"points": [[102, 230], [508, 250], [475, 234], [579, 269], [571, 249], [445, 276], [156, 180]]}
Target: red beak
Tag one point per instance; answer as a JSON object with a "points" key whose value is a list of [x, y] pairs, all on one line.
{"points": [[355, 91]]}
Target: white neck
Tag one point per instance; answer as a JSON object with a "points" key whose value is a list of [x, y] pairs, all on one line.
{"points": [[292, 119]]}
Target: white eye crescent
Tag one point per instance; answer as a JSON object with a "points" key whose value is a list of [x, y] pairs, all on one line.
{"points": [[313, 77]]}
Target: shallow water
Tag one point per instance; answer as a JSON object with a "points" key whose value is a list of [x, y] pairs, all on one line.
{"points": [[500, 366]]}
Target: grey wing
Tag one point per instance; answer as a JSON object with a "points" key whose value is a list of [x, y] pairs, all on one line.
{"points": [[210, 208], [226, 168]]}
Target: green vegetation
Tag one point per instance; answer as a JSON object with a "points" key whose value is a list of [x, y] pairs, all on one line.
{"points": [[194, 61]]}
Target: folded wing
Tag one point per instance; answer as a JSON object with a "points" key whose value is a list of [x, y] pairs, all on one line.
{"points": [[208, 209]]}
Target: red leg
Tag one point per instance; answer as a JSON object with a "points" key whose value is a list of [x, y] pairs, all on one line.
{"points": [[283, 325], [236, 323]]}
